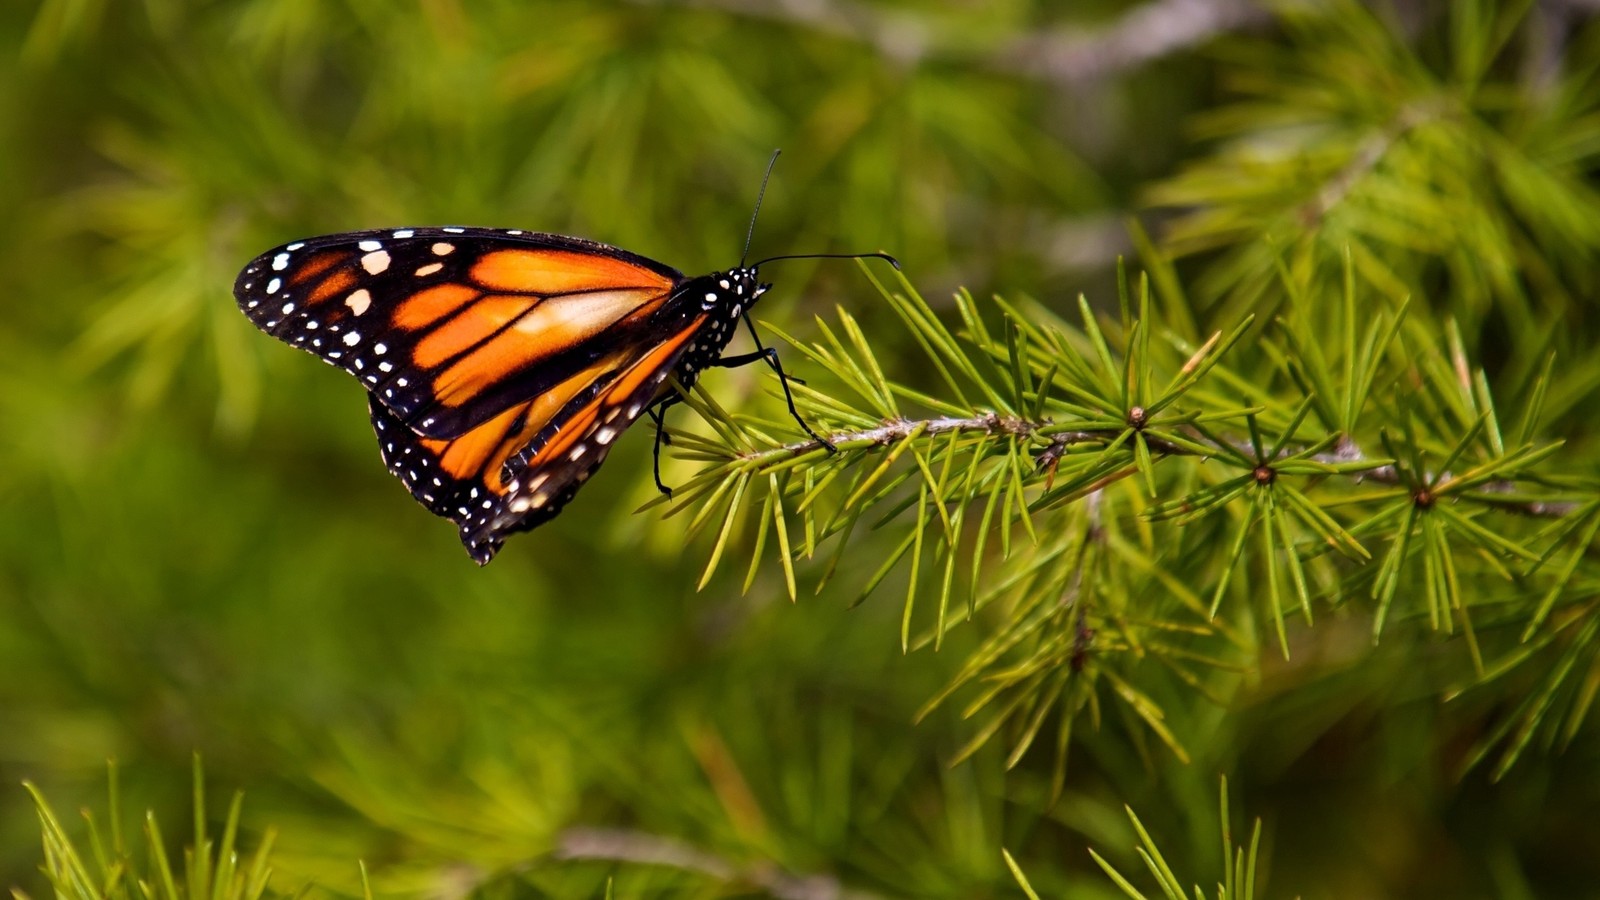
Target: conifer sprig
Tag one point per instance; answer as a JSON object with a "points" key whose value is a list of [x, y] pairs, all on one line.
{"points": [[1240, 863], [1117, 495], [1423, 161], [111, 868]]}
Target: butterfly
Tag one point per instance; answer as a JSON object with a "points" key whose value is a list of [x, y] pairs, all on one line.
{"points": [[500, 365]]}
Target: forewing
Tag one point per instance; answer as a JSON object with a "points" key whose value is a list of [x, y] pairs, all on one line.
{"points": [[449, 328], [518, 469]]}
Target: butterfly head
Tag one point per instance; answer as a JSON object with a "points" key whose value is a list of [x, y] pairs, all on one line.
{"points": [[732, 292]]}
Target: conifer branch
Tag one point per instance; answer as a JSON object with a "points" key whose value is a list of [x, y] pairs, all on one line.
{"points": [[1368, 154], [1349, 460], [1072, 434]]}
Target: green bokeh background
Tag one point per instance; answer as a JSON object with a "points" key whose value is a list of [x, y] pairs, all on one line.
{"points": [[200, 551]]}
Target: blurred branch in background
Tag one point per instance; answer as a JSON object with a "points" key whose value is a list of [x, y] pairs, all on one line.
{"points": [[1064, 57], [638, 848], [1142, 35]]}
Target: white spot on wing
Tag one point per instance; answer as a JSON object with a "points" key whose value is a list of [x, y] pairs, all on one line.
{"points": [[404, 233], [369, 245], [453, 230], [358, 303], [273, 285], [280, 262], [352, 339], [429, 269], [375, 262], [443, 249], [295, 246]]}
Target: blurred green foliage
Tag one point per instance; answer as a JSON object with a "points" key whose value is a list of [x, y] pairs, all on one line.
{"points": [[200, 551]]}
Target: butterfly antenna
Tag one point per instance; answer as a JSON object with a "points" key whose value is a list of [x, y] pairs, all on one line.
{"points": [[749, 235], [884, 256]]}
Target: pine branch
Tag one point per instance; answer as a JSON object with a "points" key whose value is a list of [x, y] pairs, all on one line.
{"points": [[1346, 461], [1368, 154], [1073, 435], [1356, 140]]}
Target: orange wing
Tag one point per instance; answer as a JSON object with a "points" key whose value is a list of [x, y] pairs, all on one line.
{"points": [[452, 329], [519, 468]]}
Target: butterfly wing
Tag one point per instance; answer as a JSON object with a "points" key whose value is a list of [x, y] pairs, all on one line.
{"points": [[449, 328], [517, 470]]}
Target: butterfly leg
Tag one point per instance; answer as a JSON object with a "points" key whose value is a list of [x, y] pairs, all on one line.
{"points": [[658, 414], [769, 355]]}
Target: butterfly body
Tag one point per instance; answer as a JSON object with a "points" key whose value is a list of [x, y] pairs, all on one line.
{"points": [[500, 365]]}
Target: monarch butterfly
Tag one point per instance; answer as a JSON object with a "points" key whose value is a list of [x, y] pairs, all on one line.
{"points": [[500, 365]]}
